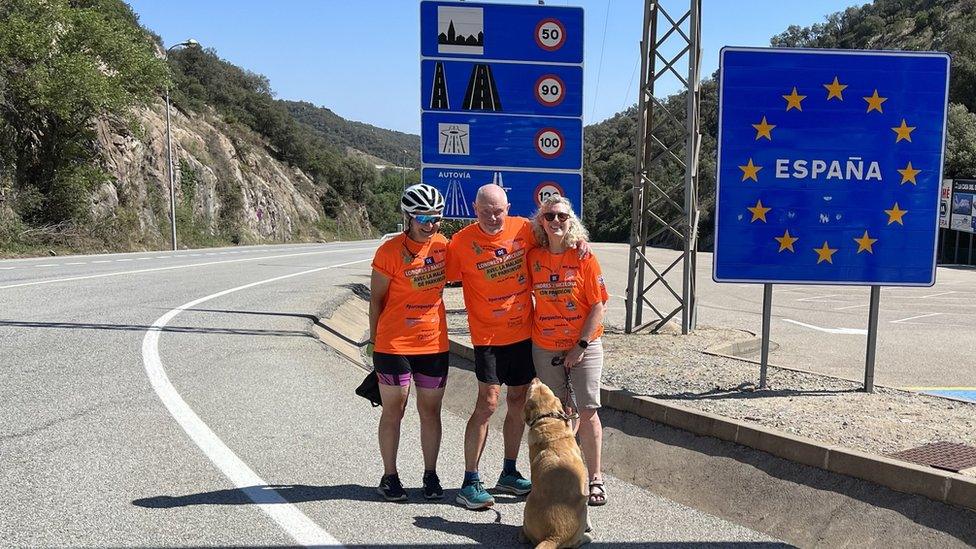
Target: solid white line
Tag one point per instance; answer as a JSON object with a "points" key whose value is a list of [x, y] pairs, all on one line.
{"points": [[121, 260], [914, 317], [102, 261], [137, 271], [76, 263], [301, 528], [844, 331], [47, 265], [851, 307], [6, 268], [938, 294]]}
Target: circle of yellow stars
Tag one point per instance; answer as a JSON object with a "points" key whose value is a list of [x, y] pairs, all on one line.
{"points": [[764, 130]]}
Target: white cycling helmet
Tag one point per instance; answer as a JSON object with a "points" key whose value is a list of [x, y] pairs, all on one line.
{"points": [[421, 198]]}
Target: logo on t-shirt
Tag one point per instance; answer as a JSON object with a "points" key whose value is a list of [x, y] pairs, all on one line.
{"points": [[553, 278], [500, 252], [570, 305], [428, 261]]}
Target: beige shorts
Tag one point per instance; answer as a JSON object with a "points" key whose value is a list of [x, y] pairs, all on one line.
{"points": [[585, 375]]}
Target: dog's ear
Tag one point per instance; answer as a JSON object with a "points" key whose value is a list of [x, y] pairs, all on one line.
{"points": [[531, 400]]}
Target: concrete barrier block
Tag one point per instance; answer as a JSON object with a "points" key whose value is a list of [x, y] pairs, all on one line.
{"points": [[793, 448], [962, 491], [696, 422], [897, 475], [649, 409], [725, 429]]}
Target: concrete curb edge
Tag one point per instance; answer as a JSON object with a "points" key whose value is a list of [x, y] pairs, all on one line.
{"points": [[898, 475]]}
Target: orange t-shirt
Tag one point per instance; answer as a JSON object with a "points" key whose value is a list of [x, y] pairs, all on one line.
{"points": [[565, 288], [495, 280], [413, 321]]}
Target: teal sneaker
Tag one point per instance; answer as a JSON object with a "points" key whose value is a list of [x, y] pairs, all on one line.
{"points": [[474, 496], [513, 483]]}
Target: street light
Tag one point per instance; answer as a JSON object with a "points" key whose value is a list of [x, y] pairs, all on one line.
{"points": [[191, 43]]}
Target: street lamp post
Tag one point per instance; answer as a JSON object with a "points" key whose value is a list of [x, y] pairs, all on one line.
{"points": [[191, 43]]}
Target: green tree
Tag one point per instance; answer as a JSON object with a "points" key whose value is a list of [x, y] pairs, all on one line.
{"points": [[63, 63]]}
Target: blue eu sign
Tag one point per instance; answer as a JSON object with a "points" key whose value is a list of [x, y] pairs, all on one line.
{"points": [[829, 166], [502, 102]]}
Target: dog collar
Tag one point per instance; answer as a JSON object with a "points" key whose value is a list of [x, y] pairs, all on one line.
{"points": [[557, 415]]}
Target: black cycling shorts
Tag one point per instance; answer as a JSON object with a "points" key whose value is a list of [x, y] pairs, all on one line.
{"points": [[504, 364], [428, 371]]}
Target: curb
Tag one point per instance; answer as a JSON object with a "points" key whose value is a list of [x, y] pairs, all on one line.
{"points": [[938, 485]]}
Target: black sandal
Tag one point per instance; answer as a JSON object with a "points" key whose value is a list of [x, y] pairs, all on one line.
{"points": [[598, 494]]}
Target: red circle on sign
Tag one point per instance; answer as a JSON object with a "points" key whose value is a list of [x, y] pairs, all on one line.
{"points": [[560, 40], [562, 88], [559, 146], [542, 186]]}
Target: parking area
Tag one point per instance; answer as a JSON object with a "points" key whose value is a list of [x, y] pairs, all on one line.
{"points": [[926, 335]]}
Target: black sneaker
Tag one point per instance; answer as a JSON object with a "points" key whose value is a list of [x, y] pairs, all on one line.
{"points": [[391, 489], [432, 486]]}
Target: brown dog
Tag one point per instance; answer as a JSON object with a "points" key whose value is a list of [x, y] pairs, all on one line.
{"points": [[555, 512]]}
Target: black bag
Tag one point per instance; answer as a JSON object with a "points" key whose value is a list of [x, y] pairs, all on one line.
{"points": [[370, 389]]}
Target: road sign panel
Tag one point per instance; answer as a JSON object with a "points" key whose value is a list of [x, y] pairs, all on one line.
{"points": [[459, 186], [552, 34], [491, 140], [829, 166], [510, 88], [511, 107]]}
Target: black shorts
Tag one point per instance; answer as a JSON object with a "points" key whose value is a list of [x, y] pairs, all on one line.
{"points": [[427, 371], [504, 364]]}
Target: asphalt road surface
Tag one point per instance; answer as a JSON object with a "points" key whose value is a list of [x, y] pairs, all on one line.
{"points": [[177, 399], [926, 335]]}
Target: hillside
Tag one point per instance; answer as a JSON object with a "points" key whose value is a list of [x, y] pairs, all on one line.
{"points": [[945, 25], [83, 149], [396, 148]]}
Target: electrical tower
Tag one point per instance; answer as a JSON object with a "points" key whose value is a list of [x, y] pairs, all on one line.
{"points": [[665, 207]]}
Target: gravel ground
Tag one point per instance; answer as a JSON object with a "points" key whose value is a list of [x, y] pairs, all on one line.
{"points": [[675, 368]]}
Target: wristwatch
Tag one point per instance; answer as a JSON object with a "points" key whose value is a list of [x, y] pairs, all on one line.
{"points": [[583, 343]]}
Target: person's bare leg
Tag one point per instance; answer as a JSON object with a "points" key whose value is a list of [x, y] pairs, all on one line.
{"points": [[591, 441], [429, 408], [514, 422], [476, 432], [394, 404]]}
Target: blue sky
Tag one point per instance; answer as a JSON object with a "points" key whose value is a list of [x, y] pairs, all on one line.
{"points": [[313, 50]]}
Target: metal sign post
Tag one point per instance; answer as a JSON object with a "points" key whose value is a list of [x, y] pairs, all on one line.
{"points": [[501, 102], [830, 171], [766, 318]]}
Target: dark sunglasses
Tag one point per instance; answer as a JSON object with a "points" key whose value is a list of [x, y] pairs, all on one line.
{"points": [[549, 216], [423, 219]]}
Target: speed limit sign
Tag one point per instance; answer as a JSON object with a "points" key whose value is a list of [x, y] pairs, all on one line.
{"points": [[550, 90], [550, 34], [549, 142], [545, 190]]}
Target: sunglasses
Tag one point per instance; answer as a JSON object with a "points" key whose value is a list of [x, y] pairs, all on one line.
{"points": [[549, 216], [423, 219]]}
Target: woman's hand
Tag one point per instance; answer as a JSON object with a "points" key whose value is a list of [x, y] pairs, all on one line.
{"points": [[573, 357]]}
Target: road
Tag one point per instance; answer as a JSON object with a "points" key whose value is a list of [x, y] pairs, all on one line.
{"points": [[178, 399], [926, 335]]}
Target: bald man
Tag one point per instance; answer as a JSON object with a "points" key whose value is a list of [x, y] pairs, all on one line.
{"points": [[489, 258]]}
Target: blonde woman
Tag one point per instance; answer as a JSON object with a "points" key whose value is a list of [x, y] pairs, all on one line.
{"points": [[570, 301]]}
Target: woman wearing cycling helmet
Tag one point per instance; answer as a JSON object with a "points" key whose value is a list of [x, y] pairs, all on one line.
{"points": [[408, 328]]}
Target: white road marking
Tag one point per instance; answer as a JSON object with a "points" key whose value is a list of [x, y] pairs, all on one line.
{"points": [[143, 258], [937, 295], [137, 271], [76, 263], [102, 261], [851, 307], [301, 528], [121, 260], [48, 265], [844, 331], [819, 297], [6, 268], [914, 317]]}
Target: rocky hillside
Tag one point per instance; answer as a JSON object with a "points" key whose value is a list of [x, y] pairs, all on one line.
{"points": [[83, 144]]}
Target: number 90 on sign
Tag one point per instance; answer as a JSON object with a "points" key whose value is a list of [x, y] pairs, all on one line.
{"points": [[550, 34], [550, 90], [549, 143]]}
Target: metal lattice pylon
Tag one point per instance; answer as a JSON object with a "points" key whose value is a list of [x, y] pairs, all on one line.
{"points": [[665, 206]]}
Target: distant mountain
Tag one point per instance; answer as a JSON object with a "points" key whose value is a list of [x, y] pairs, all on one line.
{"points": [[397, 148]]}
